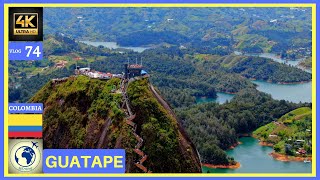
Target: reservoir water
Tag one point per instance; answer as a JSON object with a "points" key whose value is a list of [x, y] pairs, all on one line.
{"points": [[290, 92], [222, 98], [255, 159], [114, 45], [276, 58]]}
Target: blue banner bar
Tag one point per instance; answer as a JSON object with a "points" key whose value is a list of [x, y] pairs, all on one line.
{"points": [[84, 161], [25, 128], [25, 51], [25, 108]]}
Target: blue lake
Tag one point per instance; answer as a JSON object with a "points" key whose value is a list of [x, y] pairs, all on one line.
{"points": [[114, 45], [222, 98], [290, 92], [255, 159]]}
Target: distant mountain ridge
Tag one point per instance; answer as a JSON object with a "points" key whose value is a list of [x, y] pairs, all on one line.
{"points": [[246, 29]]}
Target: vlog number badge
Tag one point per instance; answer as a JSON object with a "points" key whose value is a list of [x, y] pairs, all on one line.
{"points": [[25, 155]]}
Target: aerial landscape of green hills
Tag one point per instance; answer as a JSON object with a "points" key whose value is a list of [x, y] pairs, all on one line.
{"points": [[279, 30], [188, 54], [291, 134]]}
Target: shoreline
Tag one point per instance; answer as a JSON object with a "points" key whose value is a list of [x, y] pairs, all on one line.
{"points": [[263, 143], [282, 157], [244, 135], [286, 158], [239, 142], [232, 93], [235, 145], [236, 166], [288, 83], [282, 83]]}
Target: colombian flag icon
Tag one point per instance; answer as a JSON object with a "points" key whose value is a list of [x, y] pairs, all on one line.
{"points": [[25, 126]]}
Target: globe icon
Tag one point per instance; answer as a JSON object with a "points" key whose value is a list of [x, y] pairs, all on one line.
{"points": [[25, 156]]}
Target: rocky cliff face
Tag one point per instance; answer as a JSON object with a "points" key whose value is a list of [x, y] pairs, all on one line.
{"points": [[88, 113], [166, 143]]}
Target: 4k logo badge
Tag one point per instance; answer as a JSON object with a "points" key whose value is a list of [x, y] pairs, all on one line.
{"points": [[25, 24]]}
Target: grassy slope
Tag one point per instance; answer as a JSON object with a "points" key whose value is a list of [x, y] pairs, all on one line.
{"points": [[307, 63], [76, 110], [292, 125]]}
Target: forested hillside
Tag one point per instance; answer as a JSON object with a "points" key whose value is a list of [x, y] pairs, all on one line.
{"points": [[254, 68], [205, 29], [214, 127], [80, 112], [171, 68]]}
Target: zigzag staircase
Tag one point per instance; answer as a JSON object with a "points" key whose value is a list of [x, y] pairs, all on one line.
{"points": [[129, 120]]}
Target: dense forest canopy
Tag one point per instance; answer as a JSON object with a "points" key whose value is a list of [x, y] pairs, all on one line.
{"points": [[214, 127]]}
